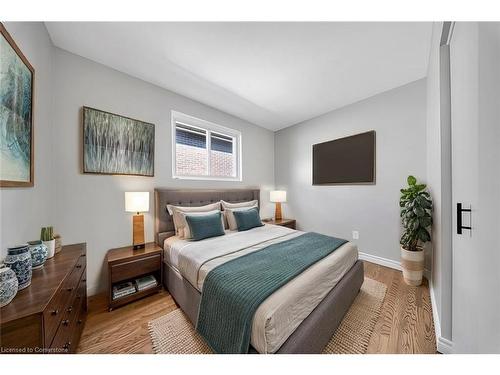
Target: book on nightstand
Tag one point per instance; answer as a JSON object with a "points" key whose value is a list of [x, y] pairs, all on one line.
{"points": [[145, 282], [123, 289]]}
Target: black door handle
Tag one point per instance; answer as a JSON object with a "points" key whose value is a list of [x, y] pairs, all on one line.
{"points": [[460, 210]]}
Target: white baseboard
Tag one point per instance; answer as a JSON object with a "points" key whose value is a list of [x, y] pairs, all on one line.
{"points": [[380, 261], [444, 346], [435, 315], [388, 263]]}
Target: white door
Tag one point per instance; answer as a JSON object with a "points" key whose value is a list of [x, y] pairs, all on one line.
{"points": [[475, 124]]}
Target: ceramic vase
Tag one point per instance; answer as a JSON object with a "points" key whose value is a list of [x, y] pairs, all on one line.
{"points": [[51, 248], [39, 254], [8, 285], [19, 260]]}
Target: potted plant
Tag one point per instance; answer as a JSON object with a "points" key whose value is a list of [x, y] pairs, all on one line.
{"points": [[416, 216], [47, 237]]}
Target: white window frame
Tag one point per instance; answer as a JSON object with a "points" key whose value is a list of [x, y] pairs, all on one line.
{"points": [[179, 117]]}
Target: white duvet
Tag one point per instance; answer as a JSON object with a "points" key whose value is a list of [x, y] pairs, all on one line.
{"points": [[282, 312]]}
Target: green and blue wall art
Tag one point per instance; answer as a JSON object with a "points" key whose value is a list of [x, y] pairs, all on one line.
{"points": [[16, 114], [114, 144]]}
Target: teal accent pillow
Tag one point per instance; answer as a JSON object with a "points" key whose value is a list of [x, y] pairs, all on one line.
{"points": [[247, 219], [205, 226]]}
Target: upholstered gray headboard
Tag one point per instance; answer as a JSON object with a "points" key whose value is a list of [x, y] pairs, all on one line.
{"points": [[164, 225]]}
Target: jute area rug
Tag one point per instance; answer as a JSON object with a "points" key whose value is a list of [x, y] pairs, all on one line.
{"points": [[174, 334]]}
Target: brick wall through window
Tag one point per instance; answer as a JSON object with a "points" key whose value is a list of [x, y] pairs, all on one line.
{"points": [[205, 151]]}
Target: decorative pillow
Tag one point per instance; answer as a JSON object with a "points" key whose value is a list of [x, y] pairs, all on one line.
{"points": [[186, 231], [205, 226], [179, 222], [247, 219], [253, 203], [230, 207]]}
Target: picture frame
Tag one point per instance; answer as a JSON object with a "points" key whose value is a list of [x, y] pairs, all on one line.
{"points": [[17, 78], [113, 144]]}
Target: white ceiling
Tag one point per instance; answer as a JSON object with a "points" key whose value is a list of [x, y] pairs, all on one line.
{"points": [[271, 74]]}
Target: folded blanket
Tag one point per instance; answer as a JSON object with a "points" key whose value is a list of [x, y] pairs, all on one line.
{"points": [[233, 291]]}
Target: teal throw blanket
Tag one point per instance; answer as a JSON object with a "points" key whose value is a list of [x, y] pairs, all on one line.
{"points": [[233, 291]]}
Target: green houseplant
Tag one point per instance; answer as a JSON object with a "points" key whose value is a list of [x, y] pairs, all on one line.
{"points": [[416, 216], [47, 237]]}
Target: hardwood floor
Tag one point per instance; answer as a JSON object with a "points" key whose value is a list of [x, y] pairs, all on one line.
{"points": [[405, 324]]}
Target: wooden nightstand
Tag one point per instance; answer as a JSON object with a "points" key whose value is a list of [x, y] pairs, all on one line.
{"points": [[126, 264], [289, 223]]}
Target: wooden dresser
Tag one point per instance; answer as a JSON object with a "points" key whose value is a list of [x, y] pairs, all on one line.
{"points": [[49, 315]]}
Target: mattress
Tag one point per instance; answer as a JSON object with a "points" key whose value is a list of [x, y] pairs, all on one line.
{"points": [[282, 312]]}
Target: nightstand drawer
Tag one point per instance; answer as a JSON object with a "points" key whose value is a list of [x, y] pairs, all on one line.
{"points": [[290, 225], [135, 267]]}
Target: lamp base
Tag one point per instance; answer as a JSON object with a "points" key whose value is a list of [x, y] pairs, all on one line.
{"points": [[138, 231], [277, 211]]}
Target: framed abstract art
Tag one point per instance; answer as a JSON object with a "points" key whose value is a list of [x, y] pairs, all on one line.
{"points": [[118, 145], [16, 115]]}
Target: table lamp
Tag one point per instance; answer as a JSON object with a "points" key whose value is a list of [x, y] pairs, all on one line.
{"points": [[137, 202], [278, 196]]}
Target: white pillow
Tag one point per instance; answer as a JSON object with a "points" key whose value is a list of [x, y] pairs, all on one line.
{"points": [[179, 222], [254, 203], [186, 232], [230, 221]]}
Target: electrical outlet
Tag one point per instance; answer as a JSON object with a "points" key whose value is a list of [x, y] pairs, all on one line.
{"points": [[355, 235]]}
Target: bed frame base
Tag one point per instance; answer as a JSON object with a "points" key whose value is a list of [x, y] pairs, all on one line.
{"points": [[312, 335]]}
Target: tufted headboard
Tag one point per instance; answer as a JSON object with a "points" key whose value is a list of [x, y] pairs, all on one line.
{"points": [[164, 225]]}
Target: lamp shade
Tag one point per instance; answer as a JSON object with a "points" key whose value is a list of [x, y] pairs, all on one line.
{"points": [[278, 196], [137, 201]]}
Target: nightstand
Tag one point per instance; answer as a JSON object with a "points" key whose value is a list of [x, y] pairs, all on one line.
{"points": [[289, 223], [126, 264]]}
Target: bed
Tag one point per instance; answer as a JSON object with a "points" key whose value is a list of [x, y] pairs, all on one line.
{"points": [[299, 317]]}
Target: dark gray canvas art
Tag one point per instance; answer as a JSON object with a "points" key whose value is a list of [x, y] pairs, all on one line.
{"points": [[114, 144]]}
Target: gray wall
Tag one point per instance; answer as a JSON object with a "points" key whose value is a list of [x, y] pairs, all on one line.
{"points": [[90, 208], [487, 266], [398, 117], [25, 210]]}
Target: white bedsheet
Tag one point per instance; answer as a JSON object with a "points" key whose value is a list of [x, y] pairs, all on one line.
{"points": [[282, 312]]}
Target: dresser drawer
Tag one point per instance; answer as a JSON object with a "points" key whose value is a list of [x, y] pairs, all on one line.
{"points": [[71, 282], [81, 317], [63, 340], [81, 293], [133, 268], [62, 301], [53, 314], [77, 298]]}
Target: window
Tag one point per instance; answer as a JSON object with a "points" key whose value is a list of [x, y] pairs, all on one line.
{"points": [[203, 150]]}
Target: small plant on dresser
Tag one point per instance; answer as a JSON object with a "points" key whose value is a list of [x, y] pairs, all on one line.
{"points": [[47, 237]]}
